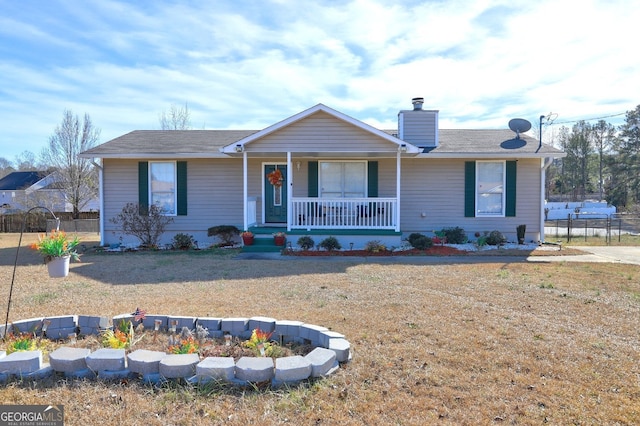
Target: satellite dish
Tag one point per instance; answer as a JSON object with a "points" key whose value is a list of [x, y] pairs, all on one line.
{"points": [[519, 125]]}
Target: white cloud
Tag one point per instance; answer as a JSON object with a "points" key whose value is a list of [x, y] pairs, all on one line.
{"points": [[479, 62]]}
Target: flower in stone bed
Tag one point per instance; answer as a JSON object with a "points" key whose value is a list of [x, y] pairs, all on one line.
{"points": [[259, 343], [185, 346]]}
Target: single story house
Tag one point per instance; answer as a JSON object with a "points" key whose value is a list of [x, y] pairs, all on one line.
{"points": [[323, 173]]}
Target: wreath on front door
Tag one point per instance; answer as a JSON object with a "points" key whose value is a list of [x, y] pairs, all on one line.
{"points": [[275, 178]]}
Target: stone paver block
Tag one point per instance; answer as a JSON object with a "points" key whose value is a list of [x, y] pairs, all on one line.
{"points": [[122, 317], [312, 332], [288, 328], [234, 326], [93, 321], [211, 324], [149, 322], [342, 349], [189, 322], [216, 368], [3, 354], [263, 323], [323, 361], [107, 359], [292, 369], [114, 375], [180, 365], [81, 374], [60, 333], [41, 374], [21, 363], [68, 360], [143, 361], [326, 336], [25, 326], [65, 321], [251, 369], [89, 331]]}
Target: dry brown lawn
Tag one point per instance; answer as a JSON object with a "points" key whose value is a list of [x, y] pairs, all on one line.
{"points": [[482, 343]]}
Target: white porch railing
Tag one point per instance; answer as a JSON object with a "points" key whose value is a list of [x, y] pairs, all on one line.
{"points": [[252, 211], [343, 213]]}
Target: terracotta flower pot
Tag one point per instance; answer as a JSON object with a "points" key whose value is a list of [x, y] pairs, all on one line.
{"points": [[279, 241], [247, 240]]}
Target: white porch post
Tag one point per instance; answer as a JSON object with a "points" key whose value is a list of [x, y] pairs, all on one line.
{"points": [[289, 189], [398, 176], [245, 192]]}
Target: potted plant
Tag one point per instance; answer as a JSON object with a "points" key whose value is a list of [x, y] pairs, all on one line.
{"points": [[279, 238], [58, 250], [247, 238]]}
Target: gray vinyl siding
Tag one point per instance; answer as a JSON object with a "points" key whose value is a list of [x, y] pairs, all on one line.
{"points": [[419, 127], [435, 189], [321, 133]]}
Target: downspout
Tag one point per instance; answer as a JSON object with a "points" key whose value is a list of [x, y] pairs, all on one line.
{"points": [[289, 189], [543, 177], [398, 176], [101, 198], [245, 192]]}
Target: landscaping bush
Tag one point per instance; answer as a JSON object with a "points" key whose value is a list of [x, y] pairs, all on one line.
{"points": [[412, 237], [422, 242], [224, 232], [496, 238], [306, 242], [455, 235], [183, 241], [330, 244], [147, 223]]}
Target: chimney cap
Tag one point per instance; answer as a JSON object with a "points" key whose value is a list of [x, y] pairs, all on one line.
{"points": [[417, 103]]}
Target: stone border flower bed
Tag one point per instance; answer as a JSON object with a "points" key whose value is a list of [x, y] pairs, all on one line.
{"points": [[330, 349]]}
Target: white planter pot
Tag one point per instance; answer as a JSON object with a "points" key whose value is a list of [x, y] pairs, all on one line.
{"points": [[59, 266]]}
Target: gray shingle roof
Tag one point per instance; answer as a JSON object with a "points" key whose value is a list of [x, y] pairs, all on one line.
{"points": [[20, 180], [206, 143]]}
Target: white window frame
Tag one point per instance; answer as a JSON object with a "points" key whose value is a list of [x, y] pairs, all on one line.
{"points": [[175, 186], [492, 190], [366, 177]]}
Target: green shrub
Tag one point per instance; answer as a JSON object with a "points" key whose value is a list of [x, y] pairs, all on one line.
{"points": [[496, 238], [183, 241], [224, 232], [422, 242], [306, 242], [412, 237], [330, 243], [455, 235]]}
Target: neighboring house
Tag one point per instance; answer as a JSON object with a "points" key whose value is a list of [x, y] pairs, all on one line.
{"points": [[13, 188], [338, 176], [20, 191]]}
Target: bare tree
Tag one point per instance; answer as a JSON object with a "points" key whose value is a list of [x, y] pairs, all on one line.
{"points": [[26, 161], [178, 118], [5, 167], [77, 177]]}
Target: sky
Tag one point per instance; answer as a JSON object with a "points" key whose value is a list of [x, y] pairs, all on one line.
{"points": [[249, 64]]}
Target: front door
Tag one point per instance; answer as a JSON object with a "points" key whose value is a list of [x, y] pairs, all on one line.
{"points": [[275, 193]]}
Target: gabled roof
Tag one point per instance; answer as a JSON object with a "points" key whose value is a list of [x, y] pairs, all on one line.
{"points": [[20, 180], [453, 143], [232, 148]]}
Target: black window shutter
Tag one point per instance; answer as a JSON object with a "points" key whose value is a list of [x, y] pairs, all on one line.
{"points": [[469, 189], [510, 190], [143, 187], [372, 176], [312, 180], [181, 187]]}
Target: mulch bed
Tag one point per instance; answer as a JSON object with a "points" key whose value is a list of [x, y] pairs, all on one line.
{"points": [[433, 251]]}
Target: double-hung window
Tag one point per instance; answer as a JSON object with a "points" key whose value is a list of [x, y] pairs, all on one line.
{"points": [[162, 186], [490, 188], [343, 179]]}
